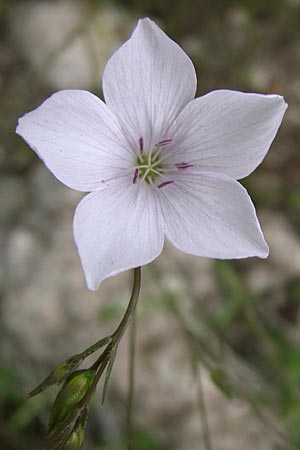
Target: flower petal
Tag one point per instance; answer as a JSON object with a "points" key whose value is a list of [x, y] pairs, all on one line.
{"points": [[78, 138], [227, 131], [147, 82], [117, 229], [209, 214]]}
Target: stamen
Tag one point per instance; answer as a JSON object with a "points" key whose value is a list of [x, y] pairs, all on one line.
{"points": [[146, 174], [160, 157], [149, 158], [183, 165], [156, 156], [150, 179], [148, 166], [165, 183], [135, 176], [157, 163], [157, 172], [141, 144], [165, 142]]}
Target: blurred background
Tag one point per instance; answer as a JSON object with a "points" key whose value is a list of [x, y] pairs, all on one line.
{"points": [[218, 345]]}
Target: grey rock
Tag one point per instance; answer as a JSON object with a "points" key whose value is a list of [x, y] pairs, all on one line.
{"points": [[65, 42]]}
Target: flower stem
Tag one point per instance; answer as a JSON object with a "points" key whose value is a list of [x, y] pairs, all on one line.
{"points": [[130, 396], [114, 340], [117, 335]]}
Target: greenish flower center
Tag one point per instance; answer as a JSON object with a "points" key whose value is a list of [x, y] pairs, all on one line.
{"points": [[149, 167]]}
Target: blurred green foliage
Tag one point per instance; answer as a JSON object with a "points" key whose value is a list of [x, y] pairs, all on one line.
{"points": [[141, 441], [20, 425], [273, 352], [256, 340]]}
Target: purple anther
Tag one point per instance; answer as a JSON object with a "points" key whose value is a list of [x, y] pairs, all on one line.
{"points": [[183, 165], [165, 142], [165, 183], [135, 176], [141, 143]]}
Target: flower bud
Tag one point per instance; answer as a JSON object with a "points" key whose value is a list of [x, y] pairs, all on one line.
{"points": [[75, 439], [72, 392]]}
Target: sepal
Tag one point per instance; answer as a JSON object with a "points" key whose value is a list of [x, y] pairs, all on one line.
{"points": [[58, 375]]}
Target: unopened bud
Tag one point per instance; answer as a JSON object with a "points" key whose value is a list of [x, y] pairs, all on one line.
{"points": [[75, 440], [72, 392], [76, 437]]}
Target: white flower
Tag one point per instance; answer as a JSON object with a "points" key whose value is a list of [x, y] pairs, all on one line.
{"points": [[158, 161]]}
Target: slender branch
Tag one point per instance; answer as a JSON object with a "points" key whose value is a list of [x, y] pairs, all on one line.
{"points": [[114, 339], [117, 335], [130, 396]]}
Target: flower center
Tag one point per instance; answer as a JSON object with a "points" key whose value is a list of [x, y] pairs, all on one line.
{"points": [[152, 166], [149, 167]]}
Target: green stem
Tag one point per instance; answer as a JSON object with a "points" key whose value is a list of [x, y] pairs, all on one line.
{"points": [[117, 335], [114, 339], [130, 396]]}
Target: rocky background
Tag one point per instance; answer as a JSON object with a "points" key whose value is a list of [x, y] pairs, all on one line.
{"points": [[218, 342]]}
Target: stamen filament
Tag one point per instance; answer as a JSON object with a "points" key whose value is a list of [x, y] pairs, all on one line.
{"points": [[146, 174], [149, 158], [150, 179], [157, 155], [163, 158], [155, 171], [140, 159], [155, 164]]}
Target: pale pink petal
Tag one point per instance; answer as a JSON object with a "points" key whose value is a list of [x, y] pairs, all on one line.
{"points": [[147, 82], [227, 131], [78, 138], [117, 229], [208, 214]]}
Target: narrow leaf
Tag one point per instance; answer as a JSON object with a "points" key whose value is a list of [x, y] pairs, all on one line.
{"points": [[93, 348], [110, 364]]}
